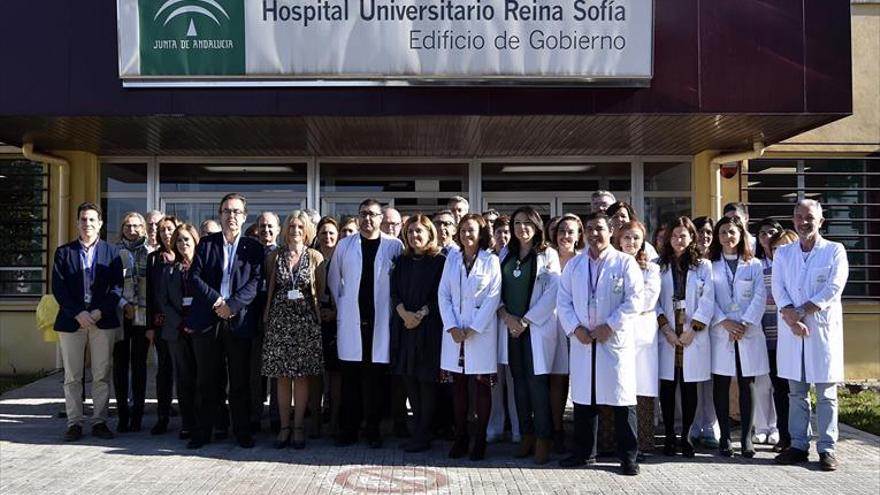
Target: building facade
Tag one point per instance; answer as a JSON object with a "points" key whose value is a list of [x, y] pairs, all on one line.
{"points": [[784, 91]]}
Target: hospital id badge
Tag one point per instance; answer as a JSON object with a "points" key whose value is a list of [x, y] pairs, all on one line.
{"points": [[732, 308], [187, 301], [591, 312], [87, 299], [294, 294]]}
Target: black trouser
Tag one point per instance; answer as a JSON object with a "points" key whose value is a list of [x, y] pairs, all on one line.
{"points": [[688, 404], [164, 377], [257, 381], [423, 399], [461, 403], [586, 432], [210, 349], [721, 397], [780, 399], [130, 352], [184, 359], [364, 392], [398, 399], [531, 392]]}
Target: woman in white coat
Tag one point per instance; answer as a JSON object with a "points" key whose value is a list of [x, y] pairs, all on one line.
{"points": [[686, 307], [527, 327], [739, 347], [470, 291], [567, 237], [630, 238]]}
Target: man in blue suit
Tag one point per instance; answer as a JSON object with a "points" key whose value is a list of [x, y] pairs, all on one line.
{"points": [[87, 283], [224, 280]]}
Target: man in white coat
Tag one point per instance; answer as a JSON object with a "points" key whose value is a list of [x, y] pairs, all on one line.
{"points": [[359, 280], [808, 280], [599, 300]]}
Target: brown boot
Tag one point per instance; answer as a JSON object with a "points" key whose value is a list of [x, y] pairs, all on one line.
{"points": [[542, 450], [526, 446]]}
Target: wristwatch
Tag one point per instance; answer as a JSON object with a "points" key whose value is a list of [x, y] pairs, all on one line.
{"points": [[524, 322]]}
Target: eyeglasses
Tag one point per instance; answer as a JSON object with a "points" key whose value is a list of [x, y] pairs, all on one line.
{"points": [[369, 214], [230, 211]]}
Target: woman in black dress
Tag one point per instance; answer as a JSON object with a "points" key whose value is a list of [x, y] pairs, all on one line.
{"points": [[416, 327]]}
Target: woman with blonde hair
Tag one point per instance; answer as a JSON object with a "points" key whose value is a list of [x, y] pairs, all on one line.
{"points": [[416, 326], [292, 344]]}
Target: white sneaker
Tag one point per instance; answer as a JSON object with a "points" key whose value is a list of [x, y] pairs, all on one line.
{"points": [[759, 438], [773, 438]]}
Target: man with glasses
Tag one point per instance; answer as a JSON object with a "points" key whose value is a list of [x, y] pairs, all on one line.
{"points": [[359, 280], [87, 283], [444, 222], [224, 279], [459, 207], [131, 351], [391, 221]]}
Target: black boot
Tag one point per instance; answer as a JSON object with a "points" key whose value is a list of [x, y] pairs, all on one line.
{"points": [[459, 447]]}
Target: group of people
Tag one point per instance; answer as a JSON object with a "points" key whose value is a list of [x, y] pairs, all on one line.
{"points": [[461, 315]]}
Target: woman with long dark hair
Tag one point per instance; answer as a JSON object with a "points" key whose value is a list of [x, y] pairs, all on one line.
{"points": [[527, 327], [686, 307], [739, 348]]}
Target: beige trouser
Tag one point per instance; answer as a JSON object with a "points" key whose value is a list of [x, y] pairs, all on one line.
{"points": [[73, 347]]}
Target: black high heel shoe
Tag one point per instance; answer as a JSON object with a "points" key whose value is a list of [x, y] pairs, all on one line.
{"points": [[283, 440], [299, 438]]}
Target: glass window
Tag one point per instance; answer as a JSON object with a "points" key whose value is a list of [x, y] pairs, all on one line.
{"points": [[849, 191], [556, 177], [449, 178], [25, 201], [667, 193], [223, 178], [123, 189]]}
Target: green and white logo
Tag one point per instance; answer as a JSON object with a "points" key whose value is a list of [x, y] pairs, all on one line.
{"points": [[192, 37]]}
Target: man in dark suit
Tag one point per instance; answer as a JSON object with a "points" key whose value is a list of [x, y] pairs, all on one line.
{"points": [[224, 280], [87, 283]]}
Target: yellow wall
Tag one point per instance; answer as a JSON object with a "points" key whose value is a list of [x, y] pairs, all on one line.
{"points": [[22, 348]]}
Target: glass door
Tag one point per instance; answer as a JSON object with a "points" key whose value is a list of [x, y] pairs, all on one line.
{"points": [[197, 210]]}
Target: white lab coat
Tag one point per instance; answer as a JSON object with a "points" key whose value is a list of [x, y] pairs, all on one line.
{"points": [[618, 297], [820, 280], [344, 279], [647, 349], [541, 314], [699, 305], [470, 300], [750, 297]]}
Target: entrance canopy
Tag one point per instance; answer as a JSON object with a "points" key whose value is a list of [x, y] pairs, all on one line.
{"points": [[725, 75]]}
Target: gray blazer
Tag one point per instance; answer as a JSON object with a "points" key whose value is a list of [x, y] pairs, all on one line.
{"points": [[170, 299]]}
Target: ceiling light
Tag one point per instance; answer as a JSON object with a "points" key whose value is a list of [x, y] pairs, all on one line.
{"points": [[777, 171], [545, 168], [239, 169]]}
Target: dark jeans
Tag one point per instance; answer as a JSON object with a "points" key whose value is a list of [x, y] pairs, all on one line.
{"points": [[721, 397], [164, 377], [183, 356], [210, 350], [531, 392], [257, 381], [130, 353], [780, 399], [364, 392], [688, 404], [423, 399], [460, 404], [586, 431]]}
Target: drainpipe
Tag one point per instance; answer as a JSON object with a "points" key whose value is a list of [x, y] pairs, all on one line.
{"points": [[718, 161], [61, 197]]}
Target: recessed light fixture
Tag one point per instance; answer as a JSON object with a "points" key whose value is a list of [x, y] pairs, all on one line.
{"points": [[239, 169], [545, 168]]}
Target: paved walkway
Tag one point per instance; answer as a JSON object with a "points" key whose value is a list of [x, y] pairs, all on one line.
{"points": [[34, 459]]}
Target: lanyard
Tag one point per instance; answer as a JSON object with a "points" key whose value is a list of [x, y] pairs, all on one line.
{"points": [[731, 276], [594, 283]]}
